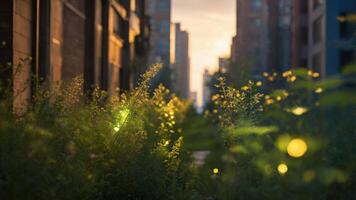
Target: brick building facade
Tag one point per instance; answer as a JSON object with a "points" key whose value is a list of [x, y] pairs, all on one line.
{"points": [[99, 39]]}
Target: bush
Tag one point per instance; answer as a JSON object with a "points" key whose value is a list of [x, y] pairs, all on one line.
{"points": [[70, 145], [291, 136]]}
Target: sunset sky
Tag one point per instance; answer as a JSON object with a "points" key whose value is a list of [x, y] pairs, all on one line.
{"points": [[211, 26]]}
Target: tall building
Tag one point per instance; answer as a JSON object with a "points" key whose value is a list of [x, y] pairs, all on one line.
{"points": [[263, 38], [207, 77], [329, 31], [181, 69], [65, 39], [224, 64], [160, 39], [251, 35], [279, 37], [299, 34]]}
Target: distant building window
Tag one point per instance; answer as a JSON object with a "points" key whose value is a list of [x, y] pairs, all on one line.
{"points": [[347, 57], [164, 6], [317, 3], [304, 6], [304, 35], [256, 5], [347, 28], [317, 30], [116, 23], [317, 62], [257, 22]]}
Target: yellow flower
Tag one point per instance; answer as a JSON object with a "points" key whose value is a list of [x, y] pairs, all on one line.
{"points": [[271, 78], [287, 73], [319, 90], [279, 98], [259, 83], [215, 97], [245, 88], [215, 170], [316, 75], [297, 148], [310, 72], [265, 74], [299, 111], [292, 78], [269, 101], [282, 168]]}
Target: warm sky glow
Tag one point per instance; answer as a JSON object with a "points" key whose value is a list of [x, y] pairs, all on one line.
{"points": [[211, 26]]}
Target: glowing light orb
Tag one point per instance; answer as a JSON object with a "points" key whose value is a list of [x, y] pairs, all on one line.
{"points": [[282, 168], [297, 148]]}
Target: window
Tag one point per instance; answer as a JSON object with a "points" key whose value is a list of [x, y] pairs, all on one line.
{"points": [[317, 30], [317, 62], [304, 6], [304, 35], [256, 5], [317, 4], [257, 22], [164, 5], [347, 28], [116, 23]]}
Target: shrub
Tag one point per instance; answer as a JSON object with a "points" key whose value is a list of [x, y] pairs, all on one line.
{"points": [[70, 145], [291, 136]]}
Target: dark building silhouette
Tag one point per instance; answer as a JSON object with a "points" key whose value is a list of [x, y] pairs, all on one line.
{"points": [[181, 67], [160, 39], [99, 39], [323, 35]]}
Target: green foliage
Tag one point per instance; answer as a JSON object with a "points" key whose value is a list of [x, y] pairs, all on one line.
{"points": [[293, 141], [111, 147]]}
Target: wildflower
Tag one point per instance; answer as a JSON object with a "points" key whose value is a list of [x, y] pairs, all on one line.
{"points": [[297, 148], [299, 111], [285, 94], [292, 79], [287, 73], [316, 75], [265, 74], [271, 78], [259, 83], [215, 97], [269, 101], [274, 74], [166, 143], [310, 73], [279, 98], [319, 90], [282, 168], [215, 171], [245, 88]]}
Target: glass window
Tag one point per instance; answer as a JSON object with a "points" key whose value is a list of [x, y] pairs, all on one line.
{"points": [[317, 3], [317, 30], [256, 5]]}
